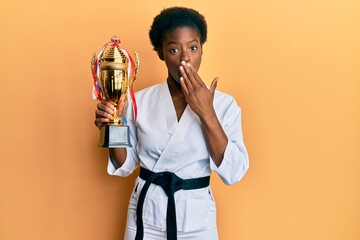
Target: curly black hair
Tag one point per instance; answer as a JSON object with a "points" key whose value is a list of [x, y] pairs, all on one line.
{"points": [[171, 18]]}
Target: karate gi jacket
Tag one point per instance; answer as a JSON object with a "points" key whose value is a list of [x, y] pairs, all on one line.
{"points": [[162, 143]]}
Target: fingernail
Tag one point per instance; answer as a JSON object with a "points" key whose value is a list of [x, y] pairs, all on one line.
{"points": [[183, 62], [181, 68], [188, 64]]}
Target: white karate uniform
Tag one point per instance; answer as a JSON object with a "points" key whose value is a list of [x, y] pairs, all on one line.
{"points": [[161, 143]]}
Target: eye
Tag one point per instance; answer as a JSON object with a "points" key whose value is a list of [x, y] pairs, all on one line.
{"points": [[174, 50], [193, 48]]}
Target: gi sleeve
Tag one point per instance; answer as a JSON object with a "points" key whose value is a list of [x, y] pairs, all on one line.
{"points": [[235, 162]]}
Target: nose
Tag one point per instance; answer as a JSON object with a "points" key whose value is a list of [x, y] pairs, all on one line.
{"points": [[185, 57]]}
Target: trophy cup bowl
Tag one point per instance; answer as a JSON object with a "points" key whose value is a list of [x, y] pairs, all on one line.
{"points": [[114, 84]]}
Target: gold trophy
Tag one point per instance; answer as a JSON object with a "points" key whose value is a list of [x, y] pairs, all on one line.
{"points": [[114, 73]]}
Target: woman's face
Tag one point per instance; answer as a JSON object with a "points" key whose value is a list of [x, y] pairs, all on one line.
{"points": [[182, 44]]}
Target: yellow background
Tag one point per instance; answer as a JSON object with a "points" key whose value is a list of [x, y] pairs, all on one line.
{"points": [[293, 66]]}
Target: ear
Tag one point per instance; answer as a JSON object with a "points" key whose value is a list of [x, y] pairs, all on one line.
{"points": [[160, 53]]}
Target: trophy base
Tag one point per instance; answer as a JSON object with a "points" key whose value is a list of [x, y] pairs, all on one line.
{"points": [[112, 136]]}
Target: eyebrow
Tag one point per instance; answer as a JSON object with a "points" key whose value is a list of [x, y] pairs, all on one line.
{"points": [[194, 40]]}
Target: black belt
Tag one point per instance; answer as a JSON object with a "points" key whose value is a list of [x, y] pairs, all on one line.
{"points": [[171, 183]]}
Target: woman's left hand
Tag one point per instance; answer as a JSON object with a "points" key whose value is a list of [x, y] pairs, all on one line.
{"points": [[198, 95]]}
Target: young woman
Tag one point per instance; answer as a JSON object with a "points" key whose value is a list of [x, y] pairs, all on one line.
{"points": [[184, 130]]}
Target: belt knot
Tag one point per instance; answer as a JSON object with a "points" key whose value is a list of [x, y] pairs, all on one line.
{"points": [[170, 182]]}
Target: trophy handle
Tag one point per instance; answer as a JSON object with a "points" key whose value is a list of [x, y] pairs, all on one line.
{"points": [[93, 61], [137, 65]]}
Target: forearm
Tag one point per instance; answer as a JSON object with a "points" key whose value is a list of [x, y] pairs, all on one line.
{"points": [[215, 137], [118, 156]]}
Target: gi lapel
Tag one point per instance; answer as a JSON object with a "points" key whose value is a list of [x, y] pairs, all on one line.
{"points": [[181, 128]]}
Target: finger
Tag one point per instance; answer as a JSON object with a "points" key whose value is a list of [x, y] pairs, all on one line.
{"points": [[186, 79], [107, 103], [106, 107], [195, 78], [187, 71], [103, 114], [183, 85], [99, 122], [214, 85]]}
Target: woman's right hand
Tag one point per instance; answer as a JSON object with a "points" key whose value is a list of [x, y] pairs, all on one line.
{"points": [[104, 113]]}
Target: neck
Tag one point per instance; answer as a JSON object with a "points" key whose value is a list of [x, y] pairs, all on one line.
{"points": [[177, 96], [175, 88]]}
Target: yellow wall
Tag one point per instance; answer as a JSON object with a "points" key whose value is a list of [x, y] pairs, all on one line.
{"points": [[293, 66]]}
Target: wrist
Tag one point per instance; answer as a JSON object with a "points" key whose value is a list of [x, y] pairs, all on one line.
{"points": [[208, 117]]}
